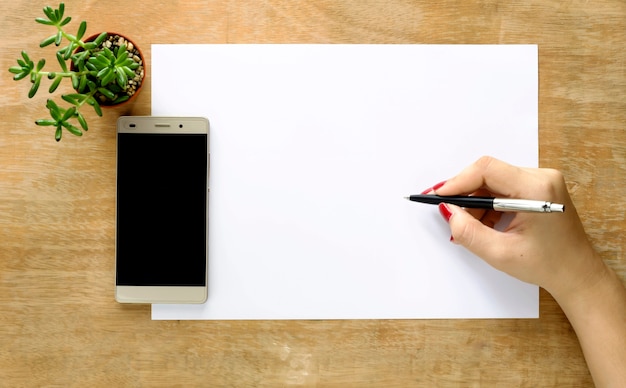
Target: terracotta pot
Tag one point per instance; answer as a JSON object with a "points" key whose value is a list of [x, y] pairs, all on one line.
{"points": [[106, 102]]}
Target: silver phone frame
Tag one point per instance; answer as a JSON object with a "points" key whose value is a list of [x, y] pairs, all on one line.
{"points": [[164, 294]]}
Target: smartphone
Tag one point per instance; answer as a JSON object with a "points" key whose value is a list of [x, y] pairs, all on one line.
{"points": [[161, 219]]}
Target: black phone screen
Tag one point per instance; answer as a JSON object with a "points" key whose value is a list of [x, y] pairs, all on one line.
{"points": [[161, 219]]}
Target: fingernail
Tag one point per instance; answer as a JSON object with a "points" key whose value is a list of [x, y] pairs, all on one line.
{"points": [[451, 238], [445, 211], [435, 187]]}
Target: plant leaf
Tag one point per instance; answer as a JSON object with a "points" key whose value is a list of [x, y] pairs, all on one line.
{"points": [[72, 129], [58, 133], [81, 30], [99, 62], [55, 84], [62, 62], [66, 20], [82, 121], [108, 54], [48, 41], [33, 89], [76, 95], [107, 77], [122, 55], [121, 99], [68, 113], [50, 14], [26, 57], [65, 52], [98, 41], [58, 39], [92, 101], [107, 93], [79, 58], [82, 83], [70, 98], [40, 64], [129, 72], [104, 71], [44, 21], [91, 85], [54, 109], [45, 122], [122, 79], [104, 62], [96, 107], [71, 47], [91, 67], [122, 58], [23, 75], [92, 61]]}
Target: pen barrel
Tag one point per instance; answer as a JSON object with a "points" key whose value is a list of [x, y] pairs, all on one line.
{"points": [[498, 204], [525, 205], [473, 202]]}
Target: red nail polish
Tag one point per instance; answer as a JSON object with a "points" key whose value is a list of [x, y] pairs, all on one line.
{"points": [[435, 187], [438, 185], [445, 211]]}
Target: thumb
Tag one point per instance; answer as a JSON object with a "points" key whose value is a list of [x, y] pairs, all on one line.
{"points": [[476, 237]]}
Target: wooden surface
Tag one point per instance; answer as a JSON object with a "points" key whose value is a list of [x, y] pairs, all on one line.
{"points": [[59, 322]]}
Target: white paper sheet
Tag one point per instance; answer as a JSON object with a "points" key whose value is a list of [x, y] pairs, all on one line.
{"points": [[313, 148]]}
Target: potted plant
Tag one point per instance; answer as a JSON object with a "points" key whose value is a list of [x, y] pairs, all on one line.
{"points": [[105, 69]]}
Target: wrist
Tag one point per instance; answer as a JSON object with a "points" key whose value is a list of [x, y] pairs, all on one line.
{"points": [[592, 286], [584, 278], [597, 313]]}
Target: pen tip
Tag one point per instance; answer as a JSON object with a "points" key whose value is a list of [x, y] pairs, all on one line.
{"points": [[407, 198]]}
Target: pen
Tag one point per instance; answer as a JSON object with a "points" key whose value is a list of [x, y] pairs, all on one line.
{"points": [[499, 204]]}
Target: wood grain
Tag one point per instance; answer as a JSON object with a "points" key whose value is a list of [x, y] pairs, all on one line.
{"points": [[59, 323]]}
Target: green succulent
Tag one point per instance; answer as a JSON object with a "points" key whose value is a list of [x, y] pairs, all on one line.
{"points": [[92, 69]]}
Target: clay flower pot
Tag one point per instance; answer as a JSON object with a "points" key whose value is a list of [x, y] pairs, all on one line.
{"points": [[134, 84]]}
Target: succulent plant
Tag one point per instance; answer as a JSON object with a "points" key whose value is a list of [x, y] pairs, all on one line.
{"points": [[102, 71]]}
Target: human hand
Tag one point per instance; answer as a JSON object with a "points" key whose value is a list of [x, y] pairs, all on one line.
{"points": [[549, 250]]}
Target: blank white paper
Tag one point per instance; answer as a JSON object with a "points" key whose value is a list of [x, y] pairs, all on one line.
{"points": [[313, 148]]}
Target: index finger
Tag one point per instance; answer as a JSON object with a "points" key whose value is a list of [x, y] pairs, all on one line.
{"points": [[488, 173]]}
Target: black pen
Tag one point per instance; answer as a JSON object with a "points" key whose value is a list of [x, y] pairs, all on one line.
{"points": [[499, 204]]}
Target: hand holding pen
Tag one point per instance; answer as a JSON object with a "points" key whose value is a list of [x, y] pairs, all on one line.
{"points": [[533, 246], [551, 251]]}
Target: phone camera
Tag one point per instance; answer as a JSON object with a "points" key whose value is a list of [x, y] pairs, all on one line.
{"points": [[180, 125]]}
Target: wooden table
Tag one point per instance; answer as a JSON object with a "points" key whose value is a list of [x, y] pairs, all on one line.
{"points": [[59, 322]]}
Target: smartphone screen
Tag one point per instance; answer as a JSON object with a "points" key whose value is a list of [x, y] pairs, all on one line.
{"points": [[161, 213]]}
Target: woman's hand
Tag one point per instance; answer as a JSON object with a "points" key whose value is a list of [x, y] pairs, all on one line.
{"points": [[550, 250]]}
